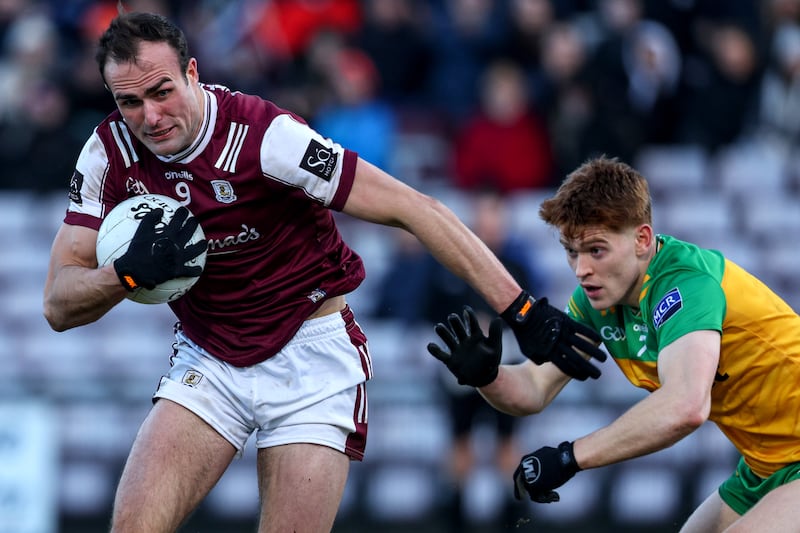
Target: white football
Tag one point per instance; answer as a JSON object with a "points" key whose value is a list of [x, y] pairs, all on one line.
{"points": [[117, 230]]}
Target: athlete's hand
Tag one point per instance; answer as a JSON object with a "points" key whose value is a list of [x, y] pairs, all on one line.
{"points": [[544, 470], [547, 334], [154, 257], [473, 358]]}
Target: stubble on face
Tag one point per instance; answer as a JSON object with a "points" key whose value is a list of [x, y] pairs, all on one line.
{"points": [[158, 105]]}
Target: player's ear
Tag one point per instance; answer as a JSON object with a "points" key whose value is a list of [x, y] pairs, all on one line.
{"points": [[645, 238], [192, 73]]}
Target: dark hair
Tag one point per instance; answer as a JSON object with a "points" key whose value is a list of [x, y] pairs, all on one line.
{"points": [[601, 192], [120, 42]]}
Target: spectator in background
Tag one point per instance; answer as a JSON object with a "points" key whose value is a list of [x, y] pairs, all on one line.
{"points": [[35, 144], [771, 15], [504, 145], [305, 85], [394, 36], [468, 35], [720, 100], [30, 55], [528, 20], [226, 37], [357, 117], [653, 67], [41, 159], [615, 129], [285, 28], [563, 91], [89, 100], [402, 292], [635, 74], [778, 119]]}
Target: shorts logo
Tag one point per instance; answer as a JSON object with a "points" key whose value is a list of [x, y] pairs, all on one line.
{"points": [[75, 184], [319, 160], [223, 190], [192, 378], [670, 304], [316, 295]]}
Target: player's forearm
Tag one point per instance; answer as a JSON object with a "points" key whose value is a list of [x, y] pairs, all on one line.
{"points": [[78, 295], [378, 197], [651, 425], [465, 255], [524, 389]]}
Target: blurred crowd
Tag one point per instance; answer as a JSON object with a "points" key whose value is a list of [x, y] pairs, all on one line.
{"points": [[511, 95], [519, 91]]}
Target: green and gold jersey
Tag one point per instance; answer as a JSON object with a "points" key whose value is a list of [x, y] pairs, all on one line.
{"points": [[755, 399]]}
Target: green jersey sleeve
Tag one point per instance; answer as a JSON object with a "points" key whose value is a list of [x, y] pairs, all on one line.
{"points": [[682, 303]]}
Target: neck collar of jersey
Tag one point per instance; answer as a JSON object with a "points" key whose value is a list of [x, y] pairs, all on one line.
{"points": [[200, 142]]}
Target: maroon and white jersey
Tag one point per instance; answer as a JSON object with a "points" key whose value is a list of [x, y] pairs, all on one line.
{"points": [[262, 184]]}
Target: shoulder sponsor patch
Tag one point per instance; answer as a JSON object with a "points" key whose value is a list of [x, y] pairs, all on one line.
{"points": [[319, 160], [75, 184], [670, 304]]}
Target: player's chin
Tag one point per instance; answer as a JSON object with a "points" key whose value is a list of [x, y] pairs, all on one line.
{"points": [[162, 149], [598, 298], [165, 144]]}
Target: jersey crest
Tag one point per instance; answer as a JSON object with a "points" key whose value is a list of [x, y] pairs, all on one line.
{"points": [[223, 191]]}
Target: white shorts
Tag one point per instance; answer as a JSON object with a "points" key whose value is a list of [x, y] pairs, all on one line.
{"points": [[312, 391]]}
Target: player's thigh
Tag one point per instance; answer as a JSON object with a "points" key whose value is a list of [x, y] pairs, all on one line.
{"points": [[301, 486], [712, 516], [175, 461], [777, 512]]}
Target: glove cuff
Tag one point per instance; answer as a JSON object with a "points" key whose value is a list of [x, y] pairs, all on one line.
{"points": [[125, 279], [518, 311], [566, 456]]}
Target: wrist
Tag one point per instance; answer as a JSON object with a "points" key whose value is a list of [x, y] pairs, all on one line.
{"points": [[487, 379], [566, 456], [125, 278], [517, 312]]}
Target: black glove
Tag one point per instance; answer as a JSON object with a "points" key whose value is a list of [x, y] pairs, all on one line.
{"points": [[154, 257], [473, 358], [545, 333], [544, 470]]}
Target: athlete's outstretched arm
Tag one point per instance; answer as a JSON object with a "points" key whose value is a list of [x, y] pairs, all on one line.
{"points": [[686, 370], [378, 197], [76, 291], [474, 359]]}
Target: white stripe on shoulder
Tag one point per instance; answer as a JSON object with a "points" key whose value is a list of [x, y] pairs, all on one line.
{"points": [[122, 137], [230, 153]]}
